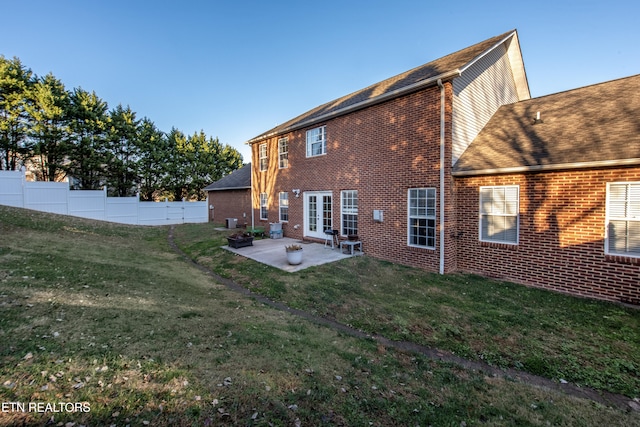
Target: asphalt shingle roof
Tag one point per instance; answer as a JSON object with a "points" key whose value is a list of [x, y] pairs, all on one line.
{"points": [[579, 128], [238, 179], [431, 70]]}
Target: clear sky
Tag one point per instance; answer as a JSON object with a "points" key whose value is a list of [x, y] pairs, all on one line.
{"points": [[236, 68]]}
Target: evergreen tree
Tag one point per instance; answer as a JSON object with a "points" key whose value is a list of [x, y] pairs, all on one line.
{"points": [[175, 178], [207, 160], [123, 152], [50, 127], [87, 154], [154, 154], [16, 82]]}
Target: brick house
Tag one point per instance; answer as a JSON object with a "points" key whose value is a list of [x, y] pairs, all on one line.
{"points": [[567, 166], [404, 163], [230, 197]]}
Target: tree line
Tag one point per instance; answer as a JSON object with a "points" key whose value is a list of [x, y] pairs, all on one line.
{"points": [[58, 133]]}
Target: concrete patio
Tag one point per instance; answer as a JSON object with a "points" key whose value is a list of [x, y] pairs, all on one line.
{"points": [[271, 252]]}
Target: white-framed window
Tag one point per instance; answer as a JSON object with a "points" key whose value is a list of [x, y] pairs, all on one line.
{"points": [[316, 141], [283, 152], [421, 227], [622, 232], [283, 204], [262, 156], [349, 212], [499, 214], [263, 206]]}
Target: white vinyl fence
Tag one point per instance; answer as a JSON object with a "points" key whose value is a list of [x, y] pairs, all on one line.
{"points": [[56, 197]]}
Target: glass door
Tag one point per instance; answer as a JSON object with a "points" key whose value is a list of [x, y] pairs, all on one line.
{"points": [[317, 213]]}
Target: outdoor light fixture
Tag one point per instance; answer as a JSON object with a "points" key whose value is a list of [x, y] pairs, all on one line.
{"points": [[296, 191]]}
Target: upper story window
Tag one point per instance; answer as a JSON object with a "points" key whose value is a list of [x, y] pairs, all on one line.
{"points": [[422, 217], [499, 214], [262, 156], [316, 141], [349, 212], [622, 235], [283, 152]]}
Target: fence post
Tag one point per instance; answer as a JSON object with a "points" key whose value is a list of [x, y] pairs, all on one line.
{"points": [[105, 204], [23, 179], [138, 208]]}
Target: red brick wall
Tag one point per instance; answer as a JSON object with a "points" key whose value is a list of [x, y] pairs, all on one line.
{"points": [[561, 238], [230, 204], [381, 152], [384, 150]]}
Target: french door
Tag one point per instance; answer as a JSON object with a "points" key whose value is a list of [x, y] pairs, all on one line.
{"points": [[317, 213]]}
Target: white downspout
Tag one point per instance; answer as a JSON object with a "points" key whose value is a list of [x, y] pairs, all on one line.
{"points": [[251, 196], [442, 188]]}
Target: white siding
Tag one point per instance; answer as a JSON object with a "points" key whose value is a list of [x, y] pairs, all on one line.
{"points": [[481, 89]]}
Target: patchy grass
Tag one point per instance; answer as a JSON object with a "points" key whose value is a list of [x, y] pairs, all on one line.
{"points": [[588, 342], [108, 316]]}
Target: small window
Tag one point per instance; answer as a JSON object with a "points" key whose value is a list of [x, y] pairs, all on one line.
{"points": [[316, 142], [262, 155], [422, 217], [263, 206], [622, 235], [349, 212], [499, 212], [283, 152], [284, 206]]}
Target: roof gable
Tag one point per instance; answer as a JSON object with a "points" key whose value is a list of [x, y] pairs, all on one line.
{"points": [[444, 68], [596, 125], [236, 180]]}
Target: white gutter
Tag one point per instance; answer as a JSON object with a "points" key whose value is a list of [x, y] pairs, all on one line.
{"points": [[442, 140], [552, 167], [360, 105]]}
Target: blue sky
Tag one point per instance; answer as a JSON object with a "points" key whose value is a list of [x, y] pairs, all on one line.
{"points": [[236, 68]]}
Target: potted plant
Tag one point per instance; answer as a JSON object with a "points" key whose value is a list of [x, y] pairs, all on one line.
{"points": [[240, 240], [294, 254]]}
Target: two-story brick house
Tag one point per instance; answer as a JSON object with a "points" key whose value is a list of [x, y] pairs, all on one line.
{"points": [[395, 163]]}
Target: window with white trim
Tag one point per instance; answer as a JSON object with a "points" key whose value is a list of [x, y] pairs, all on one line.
{"points": [[499, 214], [263, 206], [283, 152], [349, 212], [622, 236], [422, 217], [316, 141], [284, 206], [262, 156]]}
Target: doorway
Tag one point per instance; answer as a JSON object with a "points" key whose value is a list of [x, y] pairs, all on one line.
{"points": [[318, 210]]}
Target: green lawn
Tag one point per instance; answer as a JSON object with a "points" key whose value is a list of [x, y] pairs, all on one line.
{"points": [[111, 316]]}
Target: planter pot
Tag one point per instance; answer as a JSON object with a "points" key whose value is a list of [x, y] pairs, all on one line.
{"points": [[294, 257], [239, 242]]}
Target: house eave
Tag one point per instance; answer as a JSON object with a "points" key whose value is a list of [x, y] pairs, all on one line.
{"points": [[432, 81], [227, 188], [552, 167]]}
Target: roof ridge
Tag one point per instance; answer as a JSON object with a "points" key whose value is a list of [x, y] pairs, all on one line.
{"points": [[444, 67]]}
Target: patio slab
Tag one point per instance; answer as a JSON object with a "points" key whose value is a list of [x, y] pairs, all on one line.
{"points": [[271, 252]]}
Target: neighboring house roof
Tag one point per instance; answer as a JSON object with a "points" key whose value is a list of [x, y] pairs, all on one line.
{"points": [[236, 180], [445, 68], [593, 126]]}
